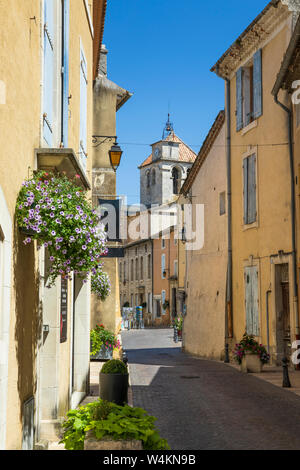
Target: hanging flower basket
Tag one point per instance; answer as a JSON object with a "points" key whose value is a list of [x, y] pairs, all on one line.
{"points": [[54, 210]]}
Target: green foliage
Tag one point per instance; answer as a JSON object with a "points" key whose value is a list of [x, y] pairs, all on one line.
{"points": [[114, 366], [56, 212], [108, 420], [178, 323], [249, 344], [101, 337]]}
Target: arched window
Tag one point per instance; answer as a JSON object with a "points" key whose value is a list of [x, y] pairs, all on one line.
{"points": [[153, 177], [176, 180], [148, 179]]}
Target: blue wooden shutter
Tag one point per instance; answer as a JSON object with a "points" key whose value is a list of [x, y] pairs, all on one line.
{"points": [[257, 84], [163, 265], [251, 300], [251, 189], [239, 99], [83, 108], [255, 318], [65, 72], [248, 300], [163, 300], [48, 87]]}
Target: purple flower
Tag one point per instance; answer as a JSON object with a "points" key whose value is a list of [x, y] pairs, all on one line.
{"points": [[53, 233], [84, 247]]}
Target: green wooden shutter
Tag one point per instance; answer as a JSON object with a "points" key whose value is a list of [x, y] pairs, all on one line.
{"points": [[239, 99], [257, 84]]}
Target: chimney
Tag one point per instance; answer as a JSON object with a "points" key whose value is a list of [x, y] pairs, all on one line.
{"points": [[103, 61]]}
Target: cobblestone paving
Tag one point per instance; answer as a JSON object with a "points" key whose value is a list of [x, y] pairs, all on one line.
{"points": [[205, 404]]}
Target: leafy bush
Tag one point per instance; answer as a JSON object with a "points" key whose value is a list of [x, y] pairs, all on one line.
{"points": [[114, 366], [178, 323], [249, 344], [101, 337], [108, 420]]}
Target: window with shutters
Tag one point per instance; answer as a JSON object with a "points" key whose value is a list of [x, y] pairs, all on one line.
{"points": [[83, 108], [249, 189], [251, 300], [249, 92], [49, 64], [163, 266]]}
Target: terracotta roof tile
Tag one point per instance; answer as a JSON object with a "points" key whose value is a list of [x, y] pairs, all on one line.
{"points": [[186, 154]]}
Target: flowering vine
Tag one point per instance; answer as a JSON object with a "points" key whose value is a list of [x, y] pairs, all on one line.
{"points": [[55, 211]]}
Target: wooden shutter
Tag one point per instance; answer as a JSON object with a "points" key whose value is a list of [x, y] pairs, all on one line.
{"points": [[163, 265], [251, 300], [48, 88], [257, 84], [65, 71], [163, 299], [83, 108], [251, 189], [239, 99], [245, 189]]}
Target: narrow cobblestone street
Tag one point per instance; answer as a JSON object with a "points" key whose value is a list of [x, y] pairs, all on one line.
{"points": [[202, 404]]}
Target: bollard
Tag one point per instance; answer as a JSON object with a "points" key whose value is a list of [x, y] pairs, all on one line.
{"points": [[175, 335], [226, 354], [124, 357], [286, 380]]}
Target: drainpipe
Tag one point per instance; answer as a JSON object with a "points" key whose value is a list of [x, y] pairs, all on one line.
{"points": [[293, 213], [267, 319], [229, 321]]}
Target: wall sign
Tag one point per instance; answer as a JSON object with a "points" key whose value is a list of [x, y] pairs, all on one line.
{"points": [[63, 310]]}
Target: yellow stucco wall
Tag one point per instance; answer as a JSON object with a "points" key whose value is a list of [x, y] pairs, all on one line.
{"points": [[204, 323], [20, 123], [272, 232]]}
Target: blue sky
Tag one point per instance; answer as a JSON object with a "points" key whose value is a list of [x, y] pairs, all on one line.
{"points": [[162, 51]]}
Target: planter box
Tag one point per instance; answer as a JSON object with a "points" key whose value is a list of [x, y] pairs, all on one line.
{"points": [[91, 443], [114, 388], [105, 354], [251, 363]]}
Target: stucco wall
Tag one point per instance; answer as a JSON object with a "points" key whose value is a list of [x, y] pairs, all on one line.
{"points": [[204, 324]]}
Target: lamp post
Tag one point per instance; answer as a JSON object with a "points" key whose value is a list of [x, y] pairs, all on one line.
{"points": [[115, 152]]}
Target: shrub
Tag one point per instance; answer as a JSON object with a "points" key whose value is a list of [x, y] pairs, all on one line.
{"points": [[101, 337], [114, 366], [109, 420]]}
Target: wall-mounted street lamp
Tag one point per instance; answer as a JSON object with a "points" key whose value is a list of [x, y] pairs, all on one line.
{"points": [[115, 152]]}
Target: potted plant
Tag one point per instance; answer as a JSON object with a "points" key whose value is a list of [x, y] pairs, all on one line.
{"points": [[54, 210], [101, 425], [250, 355], [178, 322], [113, 381], [103, 343]]}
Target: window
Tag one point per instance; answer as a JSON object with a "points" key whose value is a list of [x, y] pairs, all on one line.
{"points": [[124, 273], [153, 177], [163, 300], [158, 309], [136, 269], [83, 108], [149, 267], [249, 170], [142, 267], [149, 303], [176, 268], [176, 180], [148, 179], [249, 91], [163, 243], [49, 63], [131, 300], [251, 300], [222, 203], [163, 266], [131, 269]]}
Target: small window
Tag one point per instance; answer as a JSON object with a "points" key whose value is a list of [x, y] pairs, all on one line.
{"points": [[153, 177], [176, 180], [222, 203], [163, 243], [148, 179]]}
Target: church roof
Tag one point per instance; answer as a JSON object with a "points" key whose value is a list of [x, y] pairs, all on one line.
{"points": [[186, 154]]}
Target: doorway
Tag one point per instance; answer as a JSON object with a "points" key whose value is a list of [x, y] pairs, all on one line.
{"points": [[283, 326]]}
